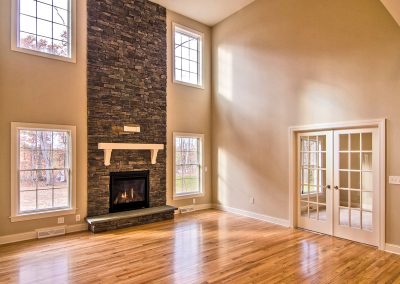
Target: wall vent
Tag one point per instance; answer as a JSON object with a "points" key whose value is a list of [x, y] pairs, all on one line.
{"points": [[186, 209], [50, 232]]}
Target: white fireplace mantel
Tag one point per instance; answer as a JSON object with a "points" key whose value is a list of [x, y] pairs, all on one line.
{"points": [[108, 147]]}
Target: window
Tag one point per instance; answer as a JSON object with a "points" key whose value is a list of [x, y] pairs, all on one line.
{"points": [[42, 170], [187, 56], [45, 28], [188, 165]]}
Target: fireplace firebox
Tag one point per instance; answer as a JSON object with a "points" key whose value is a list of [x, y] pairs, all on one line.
{"points": [[129, 191]]}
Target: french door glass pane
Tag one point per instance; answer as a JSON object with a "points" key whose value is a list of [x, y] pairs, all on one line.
{"points": [[343, 142], [355, 142], [313, 177], [344, 198], [366, 141], [355, 218], [355, 161]]}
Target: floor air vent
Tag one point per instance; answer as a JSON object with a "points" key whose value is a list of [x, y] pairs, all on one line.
{"points": [[50, 232], [186, 209]]}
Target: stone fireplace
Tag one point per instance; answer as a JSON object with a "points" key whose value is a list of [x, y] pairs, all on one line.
{"points": [[126, 81]]}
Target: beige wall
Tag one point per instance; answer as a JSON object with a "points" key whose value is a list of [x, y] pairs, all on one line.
{"points": [[279, 63], [189, 108], [41, 90]]}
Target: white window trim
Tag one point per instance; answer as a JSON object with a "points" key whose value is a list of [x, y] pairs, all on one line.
{"points": [[202, 166], [15, 216], [15, 35], [192, 33]]}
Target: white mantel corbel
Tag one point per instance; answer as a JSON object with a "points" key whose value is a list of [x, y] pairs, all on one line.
{"points": [[109, 147]]}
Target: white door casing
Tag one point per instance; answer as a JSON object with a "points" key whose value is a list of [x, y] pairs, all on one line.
{"points": [[379, 155]]}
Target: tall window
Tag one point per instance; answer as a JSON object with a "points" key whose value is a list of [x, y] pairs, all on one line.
{"points": [[187, 56], [44, 27], [188, 165], [42, 168]]}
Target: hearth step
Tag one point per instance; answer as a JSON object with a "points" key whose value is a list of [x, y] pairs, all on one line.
{"points": [[131, 218]]}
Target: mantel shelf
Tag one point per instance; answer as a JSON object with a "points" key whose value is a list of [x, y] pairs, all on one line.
{"points": [[108, 147]]}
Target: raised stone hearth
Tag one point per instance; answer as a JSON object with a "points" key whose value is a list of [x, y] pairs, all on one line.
{"points": [[129, 218]]}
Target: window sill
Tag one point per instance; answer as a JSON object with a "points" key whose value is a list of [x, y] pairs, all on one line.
{"points": [[187, 196], [189, 84], [43, 54], [41, 215]]}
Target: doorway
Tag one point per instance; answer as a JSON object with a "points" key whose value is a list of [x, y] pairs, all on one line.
{"points": [[338, 182]]}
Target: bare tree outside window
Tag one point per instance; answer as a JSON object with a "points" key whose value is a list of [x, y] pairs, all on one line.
{"points": [[43, 170], [45, 26], [188, 165]]}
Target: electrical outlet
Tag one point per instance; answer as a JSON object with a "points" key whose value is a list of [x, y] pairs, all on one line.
{"points": [[77, 217], [252, 200], [194, 200], [394, 179], [60, 220]]}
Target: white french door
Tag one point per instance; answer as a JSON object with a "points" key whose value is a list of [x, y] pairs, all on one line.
{"points": [[315, 179], [338, 183]]}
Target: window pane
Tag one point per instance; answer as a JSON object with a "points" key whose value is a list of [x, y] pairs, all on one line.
{"points": [[45, 199], [27, 181], [185, 41], [178, 39], [178, 63], [60, 16], [178, 75], [185, 76], [185, 52], [41, 159], [27, 41], [60, 47], [185, 65], [178, 51], [193, 44], [44, 179], [193, 78], [60, 178], [27, 24], [60, 32], [61, 197], [28, 7], [26, 159], [193, 67], [44, 44], [61, 3], [44, 28], [193, 55], [59, 159], [27, 201], [44, 11]]}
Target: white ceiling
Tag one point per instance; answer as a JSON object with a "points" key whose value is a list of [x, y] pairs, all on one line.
{"points": [[209, 12]]}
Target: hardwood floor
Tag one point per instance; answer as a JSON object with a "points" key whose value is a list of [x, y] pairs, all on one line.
{"points": [[202, 247]]}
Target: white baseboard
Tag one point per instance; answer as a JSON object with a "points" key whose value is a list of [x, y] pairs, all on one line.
{"points": [[33, 234], [77, 228], [195, 207], [392, 248], [262, 217]]}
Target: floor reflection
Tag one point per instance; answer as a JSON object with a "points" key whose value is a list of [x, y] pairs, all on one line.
{"points": [[54, 267], [188, 239]]}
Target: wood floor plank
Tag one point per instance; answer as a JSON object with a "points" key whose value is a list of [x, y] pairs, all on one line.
{"points": [[207, 246]]}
